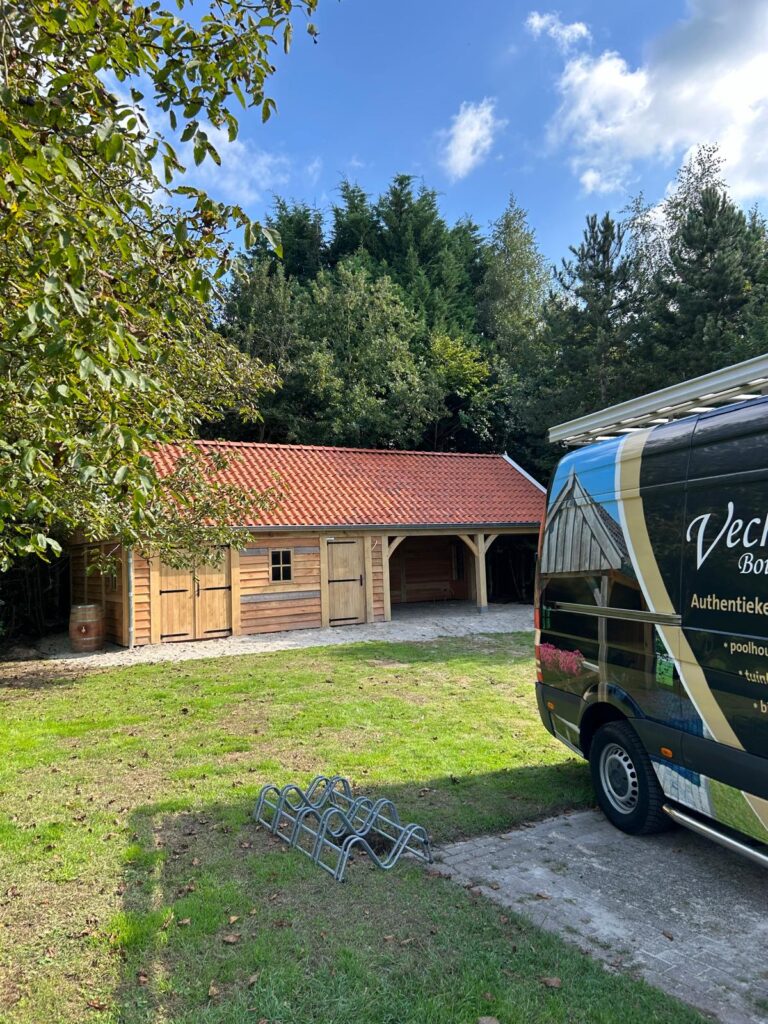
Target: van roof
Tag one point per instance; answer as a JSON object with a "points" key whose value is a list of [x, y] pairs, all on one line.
{"points": [[711, 392]]}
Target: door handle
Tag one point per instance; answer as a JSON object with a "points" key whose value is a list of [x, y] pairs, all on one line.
{"points": [[361, 579]]}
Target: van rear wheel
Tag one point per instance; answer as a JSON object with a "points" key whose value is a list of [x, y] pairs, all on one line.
{"points": [[626, 786]]}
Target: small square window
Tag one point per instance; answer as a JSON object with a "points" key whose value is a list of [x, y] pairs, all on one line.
{"points": [[281, 566]]}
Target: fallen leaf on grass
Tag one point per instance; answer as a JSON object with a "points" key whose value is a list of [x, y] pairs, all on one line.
{"points": [[231, 939], [487, 1020], [253, 979], [184, 921], [142, 977], [494, 885], [406, 942], [551, 982], [543, 896], [488, 996], [233, 918], [213, 990], [389, 938], [668, 935], [97, 1004]]}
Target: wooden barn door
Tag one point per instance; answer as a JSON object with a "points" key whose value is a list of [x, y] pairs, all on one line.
{"points": [[177, 604], [214, 600], [346, 582], [195, 605]]}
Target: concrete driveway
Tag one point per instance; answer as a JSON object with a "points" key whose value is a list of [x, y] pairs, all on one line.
{"points": [[685, 914]]}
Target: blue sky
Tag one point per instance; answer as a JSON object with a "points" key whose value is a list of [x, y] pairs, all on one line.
{"points": [[574, 108]]}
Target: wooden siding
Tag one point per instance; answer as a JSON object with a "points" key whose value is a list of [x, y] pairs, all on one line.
{"points": [[267, 607], [429, 569], [142, 605], [105, 589]]}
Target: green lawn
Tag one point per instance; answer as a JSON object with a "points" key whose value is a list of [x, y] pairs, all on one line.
{"points": [[127, 854]]}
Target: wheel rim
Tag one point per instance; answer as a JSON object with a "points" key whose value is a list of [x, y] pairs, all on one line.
{"points": [[618, 777]]}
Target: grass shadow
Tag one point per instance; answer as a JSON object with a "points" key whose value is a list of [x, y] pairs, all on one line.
{"points": [[223, 923]]}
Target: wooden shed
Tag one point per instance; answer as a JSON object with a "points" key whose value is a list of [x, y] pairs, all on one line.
{"points": [[356, 532]]}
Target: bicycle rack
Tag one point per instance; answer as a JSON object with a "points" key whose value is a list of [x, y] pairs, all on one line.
{"points": [[327, 823]]}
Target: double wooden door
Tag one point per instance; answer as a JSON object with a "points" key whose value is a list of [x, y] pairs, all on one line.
{"points": [[346, 582], [196, 604]]}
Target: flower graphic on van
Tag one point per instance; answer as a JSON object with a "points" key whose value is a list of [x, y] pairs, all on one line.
{"points": [[555, 661]]}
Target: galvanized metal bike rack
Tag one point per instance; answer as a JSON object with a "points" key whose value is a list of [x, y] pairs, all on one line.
{"points": [[328, 823]]}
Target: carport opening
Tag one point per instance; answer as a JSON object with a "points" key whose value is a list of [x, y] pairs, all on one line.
{"points": [[434, 569], [511, 568], [430, 569]]}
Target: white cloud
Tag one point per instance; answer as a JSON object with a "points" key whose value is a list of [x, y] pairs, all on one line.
{"points": [[313, 170], [566, 35], [245, 174], [470, 138], [704, 81]]}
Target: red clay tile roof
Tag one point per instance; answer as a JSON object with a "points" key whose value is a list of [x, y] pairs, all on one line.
{"points": [[372, 487]]}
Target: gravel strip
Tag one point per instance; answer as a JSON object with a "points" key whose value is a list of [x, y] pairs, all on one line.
{"points": [[410, 623]]}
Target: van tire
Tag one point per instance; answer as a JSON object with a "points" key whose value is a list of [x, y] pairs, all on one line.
{"points": [[625, 783]]}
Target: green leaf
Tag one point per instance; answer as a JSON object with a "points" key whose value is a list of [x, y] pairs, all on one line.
{"points": [[238, 92], [189, 131]]}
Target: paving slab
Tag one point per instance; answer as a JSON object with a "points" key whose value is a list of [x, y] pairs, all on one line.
{"points": [[683, 913]]}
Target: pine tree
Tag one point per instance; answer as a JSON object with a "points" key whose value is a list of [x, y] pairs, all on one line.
{"points": [[300, 228], [514, 284], [593, 316], [355, 227], [710, 296]]}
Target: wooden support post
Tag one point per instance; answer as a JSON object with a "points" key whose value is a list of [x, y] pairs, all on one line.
{"points": [[481, 586], [325, 614], [234, 588], [155, 610], [368, 578], [385, 577]]}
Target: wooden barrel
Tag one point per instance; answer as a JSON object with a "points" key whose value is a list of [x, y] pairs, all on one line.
{"points": [[86, 627]]}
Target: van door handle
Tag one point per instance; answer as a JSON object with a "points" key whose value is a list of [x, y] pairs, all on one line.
{"points": [[361, 579]]}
